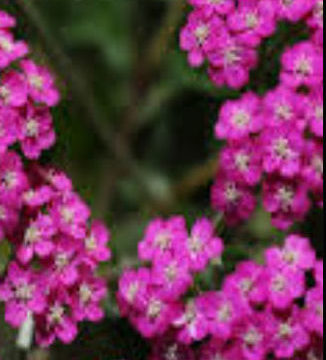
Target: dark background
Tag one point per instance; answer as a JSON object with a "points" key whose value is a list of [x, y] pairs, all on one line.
{"points": [[135, 134]]}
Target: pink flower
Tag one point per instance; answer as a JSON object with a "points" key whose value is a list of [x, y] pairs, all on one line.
{"points": [[314, 311], [286, 334], [133, 287], [286, 200], [247, 283], [87, 296], [70, 215], [253, 21], [156, 317], [41, 84], [282, 149], [197, 36], [230, 61], [13, 90], [235, 201], [63, 264], [172, 276], [36, 131], [37, 239], [240, 118], [56, 321], [212, 7], [6, 20], [243, 160], [284, 287], [22, 294], [297, 254], [251, 337], [95, 243], [10, 50], [283, 108], [202, 245], [222, 312], [294, 10], [192, 322], [161, 237], [302, 65], [216, 350]]}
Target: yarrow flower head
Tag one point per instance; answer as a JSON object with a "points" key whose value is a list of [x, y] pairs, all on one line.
{"points": [[56, 250], [271, 309]]}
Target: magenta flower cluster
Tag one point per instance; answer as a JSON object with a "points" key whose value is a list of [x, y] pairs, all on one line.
{"points": [[56, 250], [151, 297], [272, 311], [274, 141], [227, 33]]}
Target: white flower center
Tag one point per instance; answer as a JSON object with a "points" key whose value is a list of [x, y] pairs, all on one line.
{"points": [[24, 292], [67, 215], [202, 33], [232, 55], [85, 294], [5, 93], [319, 112], [282, 148], [252, 337], [241, 119], [163, 240], [286, 196], [224, 314], [3, 213], [61, 261], [32, 128], [284, 112], [6, 45], [303, 66], [171, 272], [195, 244], [231, 193], [279, 283], [32, 235], [154, 309], [132, 292], [171, 353], [285, 330], [252, 20], [36, 81], [91, 243], [242, 162], [9, 180], [56, 314]]}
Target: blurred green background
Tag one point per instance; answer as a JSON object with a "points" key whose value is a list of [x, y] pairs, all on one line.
{"points": [[135, 133]]}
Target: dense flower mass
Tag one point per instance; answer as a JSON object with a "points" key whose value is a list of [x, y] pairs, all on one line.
{"points": [[226, 34], [274, 141], [272, 311], [56, 249]]}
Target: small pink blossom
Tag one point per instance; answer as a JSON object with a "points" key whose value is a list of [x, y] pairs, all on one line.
{"points": [[240, 118], [22, 294], [41, 84]]}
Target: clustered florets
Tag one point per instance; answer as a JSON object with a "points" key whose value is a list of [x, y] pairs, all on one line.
{"points": [[52, 278], [227, 33], [271, 311], [275, 140]]}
